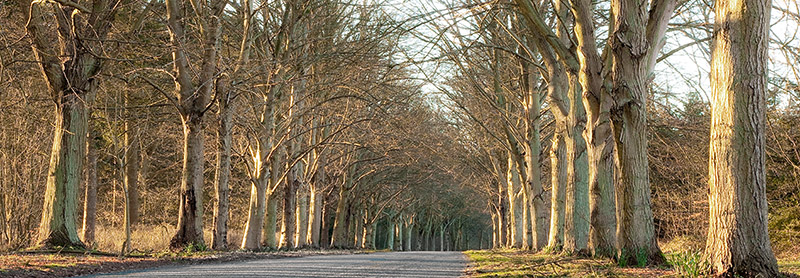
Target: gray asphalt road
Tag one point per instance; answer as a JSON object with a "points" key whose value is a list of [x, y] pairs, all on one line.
{"points": [[388, 264]]}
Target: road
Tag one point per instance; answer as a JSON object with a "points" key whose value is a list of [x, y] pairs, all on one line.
{"points": [[381, 264]]}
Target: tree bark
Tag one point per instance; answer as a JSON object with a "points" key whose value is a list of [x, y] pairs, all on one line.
{"points": [[69, 67], [57, 227], [269, 232], [635, 42], [132, 163], [738, 242], [559, 162], [576, 213], [192, 101], [219, 235], [288, 223], [535, 197], [190, 211], [301, 213], [90, 203], [515, 201]]}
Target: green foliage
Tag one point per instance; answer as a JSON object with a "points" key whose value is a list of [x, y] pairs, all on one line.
{"points": [[641, 257], [688, 263], [622, 260], [195, 247]]}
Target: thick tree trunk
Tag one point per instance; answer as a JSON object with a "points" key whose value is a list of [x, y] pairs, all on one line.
{"points": [[315, 200], [635, 43], [255, 218], [538, 213], [269, 232], [190, 212], [64, 52], [219, 235], [738, 242], [90, 203], [576, 215], [57, 226], [602, 201], [301, 214], [597, 103], [369, 236], [193, 100]]}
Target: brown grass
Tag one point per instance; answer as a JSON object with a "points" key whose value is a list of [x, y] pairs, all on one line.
{"points": [[149, 238]]}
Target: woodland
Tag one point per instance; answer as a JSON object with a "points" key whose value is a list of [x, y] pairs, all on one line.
{"points": [[605, 128]]}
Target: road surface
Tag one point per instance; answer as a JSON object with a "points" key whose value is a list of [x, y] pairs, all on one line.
{"points": [[382, 264]]}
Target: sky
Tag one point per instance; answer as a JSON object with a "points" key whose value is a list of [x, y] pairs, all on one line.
{"points": [[683, 72]]}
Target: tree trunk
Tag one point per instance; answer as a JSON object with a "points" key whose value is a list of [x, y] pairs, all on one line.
{"points": [[63, 49], [190, 212], [301, 214], [576, 213], [315, 206], [90, 203], [314, 214], [339, 229], [502, 217], [132, 159], [738, 242], [219, 235], [597, 103], [57, 226], [398, 237], [515, 204], [441, 237], [288, 223], [635, 43], [271, 222], [559, 163], [193, 100], [538, 213], [316, 217], [409, 230], [255, 218]]}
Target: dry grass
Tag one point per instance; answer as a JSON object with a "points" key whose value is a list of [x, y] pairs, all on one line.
{"points": [[515, 263], [684, 253], [149, 238]]}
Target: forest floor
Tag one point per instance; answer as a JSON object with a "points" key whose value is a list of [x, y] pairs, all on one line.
{"points": [[67, 264], [516, 263]]}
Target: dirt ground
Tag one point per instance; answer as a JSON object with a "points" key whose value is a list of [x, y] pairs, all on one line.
{"points": [[42, 264]]}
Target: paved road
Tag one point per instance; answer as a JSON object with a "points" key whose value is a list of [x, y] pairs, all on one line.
{"points": [[388, 264]]}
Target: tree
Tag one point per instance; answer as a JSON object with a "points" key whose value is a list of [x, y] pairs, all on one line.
{"points": [[65, 51], [193, 96], [635, 44], [738, 243]]}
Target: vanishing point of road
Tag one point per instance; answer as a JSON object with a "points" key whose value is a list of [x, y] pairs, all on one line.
{"points": [[381, 264]]}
